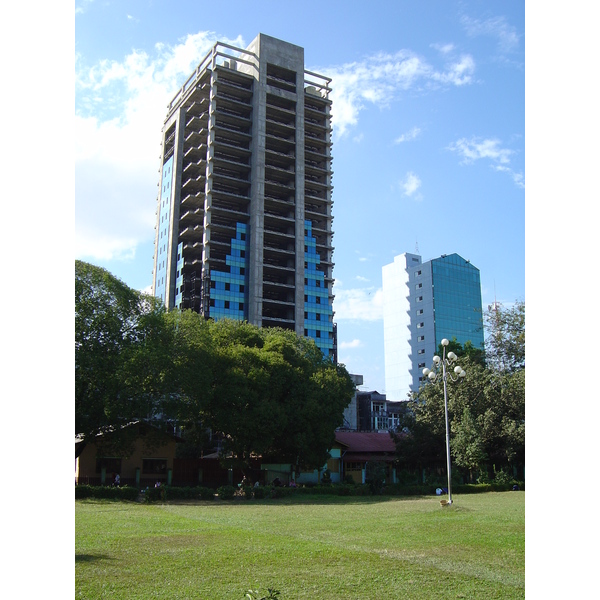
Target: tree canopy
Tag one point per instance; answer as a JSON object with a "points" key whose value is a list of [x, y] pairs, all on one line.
{"points": [[486, 409], [505, 343], [264, 391], [119, 352]]}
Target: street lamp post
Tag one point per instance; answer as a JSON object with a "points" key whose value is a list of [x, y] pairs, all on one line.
{"points": [[432, 374]]}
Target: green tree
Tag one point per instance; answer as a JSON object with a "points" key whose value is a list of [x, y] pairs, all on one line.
{"points": [[265, 392], [467, 444], [476, 355], [486, 411], [505, 340], [276, 395], [121, 352]]}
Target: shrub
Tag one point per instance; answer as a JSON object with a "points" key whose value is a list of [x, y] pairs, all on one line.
{"points": [[282, 492], [261, 492], [103, 491], [226, 492], [503, 477], [248, 492], [156, 494], [206, 493]]}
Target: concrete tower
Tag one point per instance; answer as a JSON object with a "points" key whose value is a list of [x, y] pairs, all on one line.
{"points": [[244, 221]]}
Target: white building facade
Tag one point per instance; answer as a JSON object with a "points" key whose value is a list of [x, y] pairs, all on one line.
{"points": [[423, 302]]}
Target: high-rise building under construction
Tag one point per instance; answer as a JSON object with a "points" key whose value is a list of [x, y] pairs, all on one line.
{"points": [[244, 219]]}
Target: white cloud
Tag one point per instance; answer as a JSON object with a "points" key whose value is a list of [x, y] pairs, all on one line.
{"points": [[443, 48], [353, 344], [83, 6], [458, 73], [496, 27], [489, 149], [358, 304], [381, 78], [120, 108], [475, 149], [410, 184], [409, 136], [360, 278]]}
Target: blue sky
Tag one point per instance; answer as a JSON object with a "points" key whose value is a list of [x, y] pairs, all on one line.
{"points": [[429, 135]]}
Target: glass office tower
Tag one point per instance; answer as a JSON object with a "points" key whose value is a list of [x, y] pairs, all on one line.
{"points": [[424, 303], [244, 219]]}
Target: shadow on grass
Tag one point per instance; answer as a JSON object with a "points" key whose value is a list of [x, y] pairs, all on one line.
{"points": [[318, 499], [86, 558]]}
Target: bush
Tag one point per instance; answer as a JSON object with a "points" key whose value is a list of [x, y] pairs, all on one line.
{"points": [[248, 492], [156, 494], [103, 491], [282, 492], [260, 493], [226, 492], [206, 493]]}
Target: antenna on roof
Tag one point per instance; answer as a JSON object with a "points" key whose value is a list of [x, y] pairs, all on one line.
{"points": [[416, 246]]}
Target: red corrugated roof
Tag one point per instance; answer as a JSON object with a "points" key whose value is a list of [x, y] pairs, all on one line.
{"points": [[359, 441]]}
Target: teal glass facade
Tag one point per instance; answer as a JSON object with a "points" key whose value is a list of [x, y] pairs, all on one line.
{"points": [[164, 217], [457, 300], [228, 290], [318, 312]]}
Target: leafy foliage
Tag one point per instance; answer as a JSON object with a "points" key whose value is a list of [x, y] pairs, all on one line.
{"points": [[505, 344], [121, 368], [264, 392], [486, 410]]}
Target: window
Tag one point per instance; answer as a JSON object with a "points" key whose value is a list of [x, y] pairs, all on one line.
{"points": [[154, 466], [421, 338], [112, 465], [421, 366], [420, 299], [420, 351], [419, 325], [419, 286], [420, 311]]}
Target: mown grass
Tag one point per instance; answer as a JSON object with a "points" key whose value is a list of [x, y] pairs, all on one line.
{"points": [[317, 547]]}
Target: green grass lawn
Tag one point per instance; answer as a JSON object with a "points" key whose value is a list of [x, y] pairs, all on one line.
{"points": [[305, 547]]}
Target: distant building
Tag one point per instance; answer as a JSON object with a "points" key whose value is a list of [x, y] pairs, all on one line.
{"points": [[351, 411], [423, 303], [244, 217], [370, 411]]}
